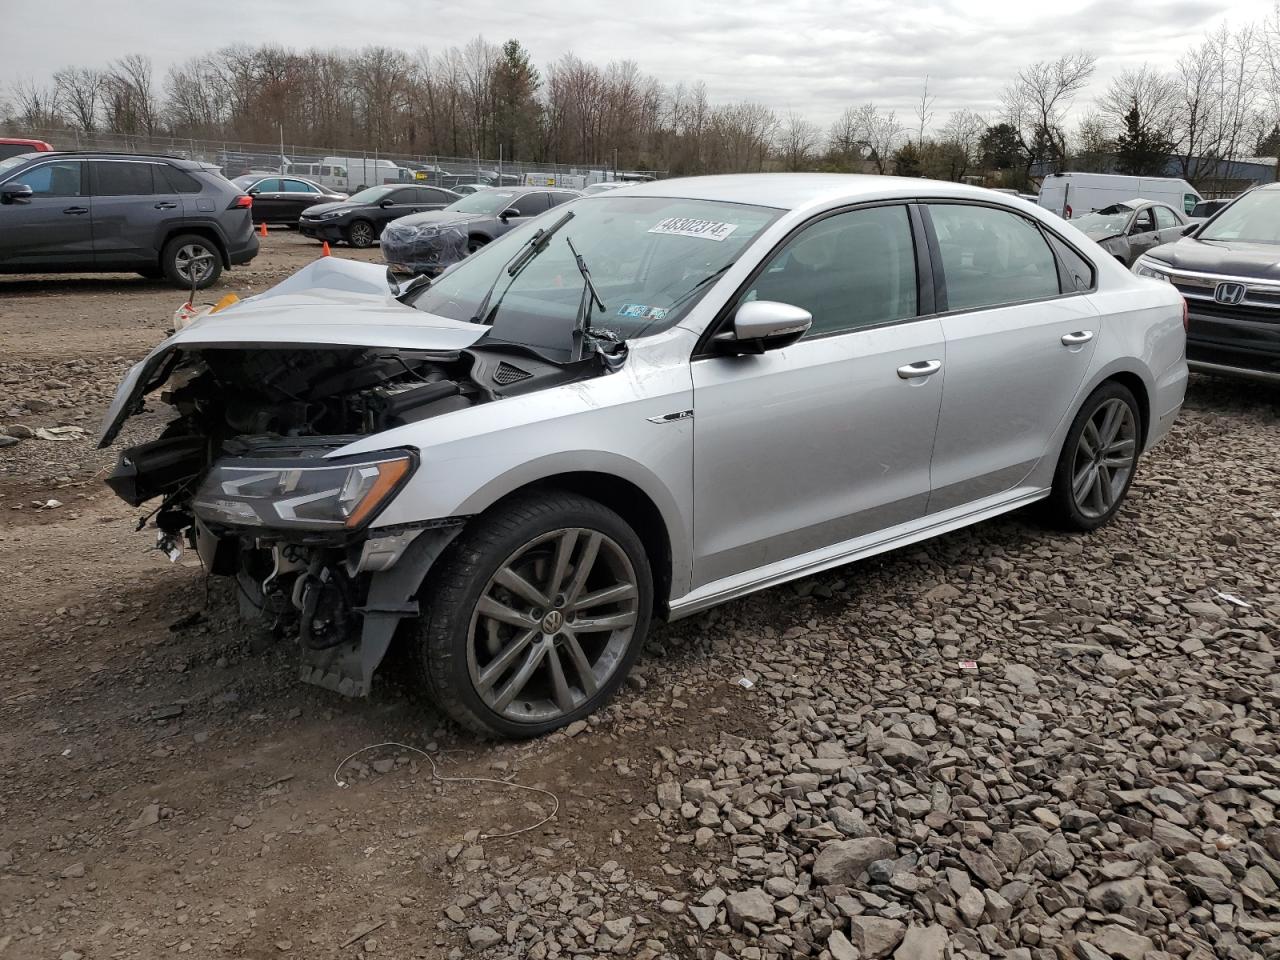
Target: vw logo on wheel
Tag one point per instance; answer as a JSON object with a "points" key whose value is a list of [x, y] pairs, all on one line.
{"points": [[552, 622], [1229, 292]]}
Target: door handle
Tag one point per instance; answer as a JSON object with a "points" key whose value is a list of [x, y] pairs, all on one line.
{"points": [[921, 368], [1077, 338], [166, 205], [76, 210]]}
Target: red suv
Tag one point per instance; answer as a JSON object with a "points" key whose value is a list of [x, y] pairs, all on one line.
{"points": [[12, 146]]}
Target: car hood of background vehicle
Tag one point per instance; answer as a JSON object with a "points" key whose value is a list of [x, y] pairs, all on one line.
{"points": [[440, 217], [331, 303], [1232, 257], [336, 206]]}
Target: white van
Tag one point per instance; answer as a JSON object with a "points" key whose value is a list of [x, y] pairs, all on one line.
{"points": [[1075, 194], [332, 176], [364, 172]]}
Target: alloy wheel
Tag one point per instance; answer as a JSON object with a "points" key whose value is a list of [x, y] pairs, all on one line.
{"points": [[1104, 458], [552, 625], [193, 262], [361, 234]]}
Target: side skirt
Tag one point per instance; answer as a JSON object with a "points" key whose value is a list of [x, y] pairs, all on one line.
{"points": [[882, 541]]}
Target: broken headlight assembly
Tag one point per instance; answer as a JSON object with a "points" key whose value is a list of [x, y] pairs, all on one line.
{"points": [[330, 495]]}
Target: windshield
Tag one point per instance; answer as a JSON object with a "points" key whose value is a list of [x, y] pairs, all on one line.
{"points": [[491, 202], [1255, 217], [370, 194], [1105, 222], [651, 259]]}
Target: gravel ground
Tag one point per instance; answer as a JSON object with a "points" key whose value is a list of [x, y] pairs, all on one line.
{"points": [[1005, 742]]}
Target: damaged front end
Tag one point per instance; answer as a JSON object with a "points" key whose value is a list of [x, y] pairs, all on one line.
{"points": [[250, 470]]}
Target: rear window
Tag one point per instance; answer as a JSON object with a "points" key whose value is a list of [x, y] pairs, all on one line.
{"points": [[122, 178], [176, 180]]}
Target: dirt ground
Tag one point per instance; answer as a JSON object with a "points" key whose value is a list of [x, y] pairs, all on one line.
{"points": [[166, 787]]}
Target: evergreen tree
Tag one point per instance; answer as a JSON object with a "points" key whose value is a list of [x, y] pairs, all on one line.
{"points": [[906, 160], [516, 108], [1141, 151], [999, 147]]}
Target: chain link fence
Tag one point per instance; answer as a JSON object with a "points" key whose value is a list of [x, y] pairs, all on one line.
{"points": [[339, 168]]}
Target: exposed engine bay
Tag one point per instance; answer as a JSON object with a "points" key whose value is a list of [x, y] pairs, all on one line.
{"points": [[277, 413]]}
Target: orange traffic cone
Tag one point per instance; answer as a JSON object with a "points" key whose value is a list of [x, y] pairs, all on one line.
{"points": [[262, 229], [324, 251]]}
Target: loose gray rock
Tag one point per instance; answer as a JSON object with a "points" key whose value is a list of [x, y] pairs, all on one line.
{"points": [[841, 861], [483, 937], [923, 943], [754, 906], [876, 936]]}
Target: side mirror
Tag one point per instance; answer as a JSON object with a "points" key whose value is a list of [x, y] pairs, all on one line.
{"points": [[386, 203], [15, 193], [508, 213], [254, 192], [762, 325]]}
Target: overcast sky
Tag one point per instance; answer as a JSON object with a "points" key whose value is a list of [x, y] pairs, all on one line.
{"points": [[813, 56]]}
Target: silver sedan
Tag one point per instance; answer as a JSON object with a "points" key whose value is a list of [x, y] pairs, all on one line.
{"points": [[642, 404]]}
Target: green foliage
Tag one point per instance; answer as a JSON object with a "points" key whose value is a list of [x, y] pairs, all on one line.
{"points": [[906, 161], [1140, 150], [999, 148]]}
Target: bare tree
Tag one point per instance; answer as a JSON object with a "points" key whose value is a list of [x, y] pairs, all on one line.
{"points": [[36, 104], [80, 93], [1037, 100], [962, 141], [881, 133], [1154, 95], [128, 95], [924, 111], [845, 142], [797, 140], [1218, 86]]}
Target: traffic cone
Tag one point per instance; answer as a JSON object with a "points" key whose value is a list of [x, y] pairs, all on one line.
{"points": [[324, 251], [262, 229]]}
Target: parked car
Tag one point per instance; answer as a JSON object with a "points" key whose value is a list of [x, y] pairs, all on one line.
{"points": [[603, 186], [279, 199], [359, 219], [504, 463], [13, 146], [1129, 229], [490, 213], [1206, 209], [103, 212], [1226, 270], [1071, 195], [465, 189]]}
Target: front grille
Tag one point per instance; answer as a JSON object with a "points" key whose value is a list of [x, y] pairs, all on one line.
{"points": [[1247, 312], [506, 373]]}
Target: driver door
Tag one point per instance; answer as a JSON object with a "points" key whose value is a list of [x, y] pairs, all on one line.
{"points": [[806, 447], [1142, 234]]}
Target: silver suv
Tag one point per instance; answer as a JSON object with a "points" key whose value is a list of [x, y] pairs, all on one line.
{"points": [[643, 403], [115, 213]]}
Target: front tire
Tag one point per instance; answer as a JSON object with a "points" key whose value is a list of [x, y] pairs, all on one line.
{"points": [[534, 618], [1098, 460], [474, 243], [187, 254], [361, 234]]}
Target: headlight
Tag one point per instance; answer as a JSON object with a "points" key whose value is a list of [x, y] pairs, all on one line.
{"points": [[1146, 267], [304, 495], [324, 215]]}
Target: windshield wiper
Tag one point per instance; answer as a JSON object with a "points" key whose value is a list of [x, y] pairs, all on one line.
{"points": [[582, 322], [531, 248]]}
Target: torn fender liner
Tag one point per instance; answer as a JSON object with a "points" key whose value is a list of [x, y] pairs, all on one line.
{"points": [[424, 248], [348, 667]]}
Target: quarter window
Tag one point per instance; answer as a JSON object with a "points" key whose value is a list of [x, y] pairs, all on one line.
{"points": [[53, 179], [851, 270], [991, 257]]}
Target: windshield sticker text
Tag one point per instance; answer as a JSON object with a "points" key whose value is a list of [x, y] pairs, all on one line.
{"points": [[642, 312], [694, 227]]}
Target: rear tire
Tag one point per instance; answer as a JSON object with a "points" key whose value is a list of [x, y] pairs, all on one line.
{"points": [[504, 645], [361, 234], [1098, 460], [188, 252]]}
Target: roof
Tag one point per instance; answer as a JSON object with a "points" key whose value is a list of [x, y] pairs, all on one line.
{"points": [[789, 191]]}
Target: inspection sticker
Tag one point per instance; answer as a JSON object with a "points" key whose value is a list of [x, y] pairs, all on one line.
{"points": [[642, 312], [694, 227]]}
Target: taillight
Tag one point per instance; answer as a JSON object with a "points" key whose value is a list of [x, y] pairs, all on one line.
{"points": [[242, 202], [1186, 320], [1067, 211]]}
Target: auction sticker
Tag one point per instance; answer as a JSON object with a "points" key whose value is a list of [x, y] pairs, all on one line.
{"points": [[642, 311], [694, 227]]}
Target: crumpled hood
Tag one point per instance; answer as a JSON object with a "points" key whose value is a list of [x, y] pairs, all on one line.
{"points": [[331, 303], [1234, 257]]}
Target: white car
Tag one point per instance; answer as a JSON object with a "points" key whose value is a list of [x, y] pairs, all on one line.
{"points": [[641, 404]]}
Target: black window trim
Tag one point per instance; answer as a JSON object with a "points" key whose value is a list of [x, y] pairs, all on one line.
{"points": [[926, 284], [939, 276]]}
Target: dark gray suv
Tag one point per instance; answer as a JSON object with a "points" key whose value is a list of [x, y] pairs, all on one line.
{"points": [[111, 213]]}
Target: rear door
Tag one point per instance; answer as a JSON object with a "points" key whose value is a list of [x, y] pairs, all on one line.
{"points": [[130, 212], [296, 196], [1169, 225], [54, 227], [1019, 338]]}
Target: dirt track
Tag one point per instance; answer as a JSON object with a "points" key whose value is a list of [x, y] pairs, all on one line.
{"points": [[168, 788]]}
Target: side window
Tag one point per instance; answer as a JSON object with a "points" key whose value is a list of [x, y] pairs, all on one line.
{"points": [[1143, 222], [298, 186], [850, 270], [439, 196], [1165, 218], [531, 204], [991, 257], [1077, 270], [54, 179], [116, 178], [1189, 201], [404, 196], [176, 180], [559, 198], [269, 185]]}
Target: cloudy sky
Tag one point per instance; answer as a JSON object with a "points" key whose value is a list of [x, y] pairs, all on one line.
{"points": [[813, 56]]}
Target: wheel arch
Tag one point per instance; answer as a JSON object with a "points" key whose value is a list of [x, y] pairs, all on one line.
{"points": [[1135, 385], [204, 230]]}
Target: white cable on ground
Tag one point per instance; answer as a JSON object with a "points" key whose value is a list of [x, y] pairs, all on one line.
{"points": [[439, 779]]}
